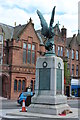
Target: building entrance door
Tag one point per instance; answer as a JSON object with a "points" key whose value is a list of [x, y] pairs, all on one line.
{"points": [[5, 86]]}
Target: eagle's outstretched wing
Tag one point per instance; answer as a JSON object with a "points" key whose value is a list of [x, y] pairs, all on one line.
{"points": [[52, 17], [44, 24]]}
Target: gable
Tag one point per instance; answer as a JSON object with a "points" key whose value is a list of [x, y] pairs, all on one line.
{"points": [[72, 42], [29, 33]]}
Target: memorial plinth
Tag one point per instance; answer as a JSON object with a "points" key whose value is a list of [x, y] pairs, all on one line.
{"points": [[49, 95]]}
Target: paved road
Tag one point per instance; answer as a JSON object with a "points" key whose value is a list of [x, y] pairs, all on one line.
{"points": [[43, 119], [11, 104]]}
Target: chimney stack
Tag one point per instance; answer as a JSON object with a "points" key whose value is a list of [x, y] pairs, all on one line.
{"points": [[15, 24], [63, 31]]}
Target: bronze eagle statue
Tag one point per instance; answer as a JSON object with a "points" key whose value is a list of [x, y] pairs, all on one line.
{"points": [[46, 31]]}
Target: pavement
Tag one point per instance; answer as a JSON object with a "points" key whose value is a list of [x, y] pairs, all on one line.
{"points": [[2, 98], [16, 113], [73, 98]]}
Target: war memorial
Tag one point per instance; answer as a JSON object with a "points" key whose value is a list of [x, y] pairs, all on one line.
{"points": [[49, 95]]}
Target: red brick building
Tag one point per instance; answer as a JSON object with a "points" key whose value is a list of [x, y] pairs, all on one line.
{"points": [[21, 47], [20, 50]]}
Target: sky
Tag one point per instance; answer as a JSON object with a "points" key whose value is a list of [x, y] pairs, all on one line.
{"points": [[20, 11]]}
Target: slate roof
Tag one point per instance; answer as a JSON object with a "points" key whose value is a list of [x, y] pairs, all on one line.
{"points": [[18, 30], [70, 39], [78, 38], [12, 32], [8, 31]]}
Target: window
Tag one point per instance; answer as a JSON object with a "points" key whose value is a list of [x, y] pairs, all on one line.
{"points": [[58, 51], [67, 53], [15, 85], [72, 70], [29, 54], [53, 48], [33, 47], [1, 38], [31, 85], [77, 55], [61, 51], [19, 85], [33, 54], [24, 52], [23, 85], [76, 70], [72, 54]]}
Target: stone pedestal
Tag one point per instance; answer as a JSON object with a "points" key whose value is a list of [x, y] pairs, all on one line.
{"points": [[49, 95]]}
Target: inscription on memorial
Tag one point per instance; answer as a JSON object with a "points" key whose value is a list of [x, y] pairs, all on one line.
{"points": [[44, 78], [59, 81]]}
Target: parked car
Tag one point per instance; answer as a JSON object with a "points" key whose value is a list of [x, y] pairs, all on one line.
{"points": [[26, 96]]}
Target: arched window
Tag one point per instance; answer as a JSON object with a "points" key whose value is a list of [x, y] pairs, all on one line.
{"points": [[58, 50], [76, 70], [61, 51], [19, 85], [23, 85], [72, 70], [31, 85], [15, 85]]}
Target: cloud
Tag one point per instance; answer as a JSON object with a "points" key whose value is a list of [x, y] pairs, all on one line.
{"points": [[20, 11]]}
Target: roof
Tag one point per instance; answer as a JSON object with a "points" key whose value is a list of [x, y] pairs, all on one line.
{"points": [[14, 32], [78, 38], [18, 30], [70, 39], [8, 30]]}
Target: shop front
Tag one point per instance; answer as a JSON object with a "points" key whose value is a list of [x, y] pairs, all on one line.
{"points": [[75, 87]]}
